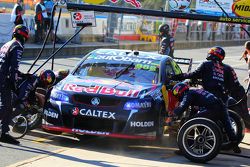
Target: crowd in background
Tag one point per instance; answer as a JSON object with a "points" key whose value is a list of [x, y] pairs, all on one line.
{"points": [[189, 29], [203, 30], [42, 18]]}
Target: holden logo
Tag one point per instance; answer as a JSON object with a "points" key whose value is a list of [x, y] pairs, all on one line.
{"points": [[95, 101]]}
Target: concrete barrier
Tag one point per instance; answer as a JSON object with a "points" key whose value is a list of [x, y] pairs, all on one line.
{"points": [[32, 50]]}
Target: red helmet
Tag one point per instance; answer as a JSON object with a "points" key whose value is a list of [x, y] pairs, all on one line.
{"points": [[179, 89], [21, 32], [47, 77], [216, 53]]}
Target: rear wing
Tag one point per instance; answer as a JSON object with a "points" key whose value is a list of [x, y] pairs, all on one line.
{"points": [[185, 61]]}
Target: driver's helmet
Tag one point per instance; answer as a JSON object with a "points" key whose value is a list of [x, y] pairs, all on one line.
{"points": [[179, 89], [216, 53], [164, 29], [47, 77], [21, 32]]}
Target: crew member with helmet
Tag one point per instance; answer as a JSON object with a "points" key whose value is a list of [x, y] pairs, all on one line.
{"points": [[214, 108], [28, 85], [167, 41], [220, 79], [10, 57]]}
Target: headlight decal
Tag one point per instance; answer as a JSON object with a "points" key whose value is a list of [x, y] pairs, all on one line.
{"points": [[59, 96], [138, 104]]}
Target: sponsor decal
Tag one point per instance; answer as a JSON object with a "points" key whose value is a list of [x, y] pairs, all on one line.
{"points": [[142, 124], [235, 20], [179, 4], [134, 3], [123, 58], [51, 114], [75, 111], [156, 93], [98, 113], [242, 8], [101, 90], [146, 67], [83, 17], [90, 132]]}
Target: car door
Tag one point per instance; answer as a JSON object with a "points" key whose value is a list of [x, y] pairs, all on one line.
{"points": [[171, 68]]}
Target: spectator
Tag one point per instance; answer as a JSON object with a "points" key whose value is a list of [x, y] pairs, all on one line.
{"points": [[187, 24], [40, 17], [17, 13], [49, 5], [246, 54]]}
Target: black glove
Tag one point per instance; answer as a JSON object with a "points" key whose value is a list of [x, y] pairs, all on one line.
{"points": [[26, 75], [178, 77]]}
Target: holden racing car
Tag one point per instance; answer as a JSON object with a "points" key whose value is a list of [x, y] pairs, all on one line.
{"points": [[113, 92]]}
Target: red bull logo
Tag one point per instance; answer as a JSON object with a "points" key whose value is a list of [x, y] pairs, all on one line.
{"points": [[134, 3], [49, 78]]}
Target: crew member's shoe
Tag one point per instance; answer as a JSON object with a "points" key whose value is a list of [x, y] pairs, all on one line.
{"points": [[236, 148], [6, 138], [178, 152]]}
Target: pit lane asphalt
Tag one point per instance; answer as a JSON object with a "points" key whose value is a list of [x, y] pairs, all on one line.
{"points": [[42, 145]]}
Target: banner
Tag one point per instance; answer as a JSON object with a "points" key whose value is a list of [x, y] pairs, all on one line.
{"points": [[210, 7]]}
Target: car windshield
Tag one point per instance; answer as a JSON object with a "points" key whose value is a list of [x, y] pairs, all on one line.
{"points": [[124, 71]]}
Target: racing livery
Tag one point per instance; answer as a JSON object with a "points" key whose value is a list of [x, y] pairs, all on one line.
{"points": [[112, 92]]}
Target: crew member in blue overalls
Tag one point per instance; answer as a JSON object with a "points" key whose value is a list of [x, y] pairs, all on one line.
{"points": [[10, 57], [220, 79], [167, 41], [214, 109]]}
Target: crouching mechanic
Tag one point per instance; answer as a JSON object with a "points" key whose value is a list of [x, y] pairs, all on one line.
{"points": [[10, 57], [214, 108], [27, 88]]}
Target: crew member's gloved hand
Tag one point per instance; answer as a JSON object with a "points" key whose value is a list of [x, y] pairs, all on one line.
{"points": [[177, 77], [27, 75]]}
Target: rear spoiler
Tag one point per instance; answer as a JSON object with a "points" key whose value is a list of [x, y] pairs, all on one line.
{"points": [[185, 61]]}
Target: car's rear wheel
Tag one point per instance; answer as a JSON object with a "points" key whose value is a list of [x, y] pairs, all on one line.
{"points": [[199, 139]]}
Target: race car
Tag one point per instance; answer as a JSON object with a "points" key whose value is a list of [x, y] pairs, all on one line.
{"points": [[115, 93]]}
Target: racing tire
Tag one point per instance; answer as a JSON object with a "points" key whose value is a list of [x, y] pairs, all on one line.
{"points": [[160, 127], [18, 127], [34, 120], [199, 139], [239, 128]]}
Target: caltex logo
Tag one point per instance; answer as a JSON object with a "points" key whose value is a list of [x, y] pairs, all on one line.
{"points": [[75, 111], [77, 16]]}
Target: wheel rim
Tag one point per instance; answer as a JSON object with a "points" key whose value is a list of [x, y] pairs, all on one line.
{"points": [[199, 140], [32, 118], [18, 127], [234, 125]]}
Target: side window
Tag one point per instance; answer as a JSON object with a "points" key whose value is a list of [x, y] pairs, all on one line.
{"points": [[169, 68], [177, 69]]}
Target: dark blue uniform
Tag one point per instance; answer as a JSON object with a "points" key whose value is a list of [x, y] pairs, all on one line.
{"points": [[214, 108], [212, 75], [10, 57], [167, 46], [237, 91], [221, 80]]}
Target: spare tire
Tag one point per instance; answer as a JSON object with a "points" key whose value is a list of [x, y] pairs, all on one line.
{"points": [[199, 139]]}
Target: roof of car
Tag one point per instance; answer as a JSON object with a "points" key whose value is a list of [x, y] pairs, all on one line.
{"points": [[129, 53]]}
